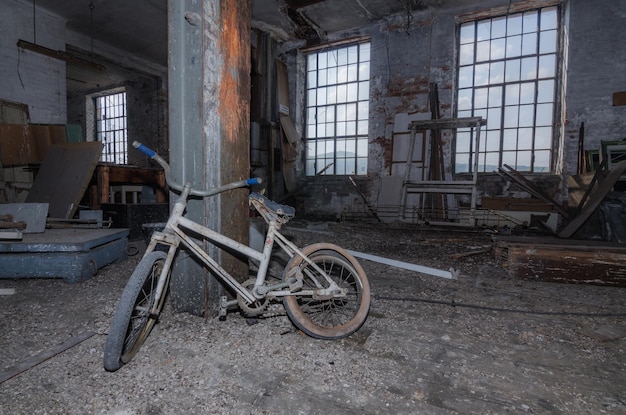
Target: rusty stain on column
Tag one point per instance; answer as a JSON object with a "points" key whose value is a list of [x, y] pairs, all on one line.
{"points": [[234, 118]]}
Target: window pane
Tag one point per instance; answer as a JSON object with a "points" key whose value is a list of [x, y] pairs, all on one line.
{"points": [[466, 76], [342, 57], [509, 140], [498, 48], [545, 91], [525, 139], [514, 25], [342, 93], [480, 97], [481, 75], [311, 62], [353, 92], [482, 51], [512, 70], [496, 73], [524, 161], [511, 116], [493, 118], [547, 66], [463, 141], [544, 114], [483, 30], [351, 128], [549, 18], [353, 54], [361, 165], [495, 96], [498, 27], [364, 71], [509, 158], [527, 93], [362, 127], [362, 147], [543, 137], [351, 112], [512, 94], [353, 72], [364, 50], [312, 97], [529, 68], [530, 21], [364, 90], [547, 42], [331, 95], [529, 44], [542, 161], [322, 60], [332, 76], [321, 96], [466, 54], [464, 99], [466, 33], [513, 46], [492, 161], [492, 141]]}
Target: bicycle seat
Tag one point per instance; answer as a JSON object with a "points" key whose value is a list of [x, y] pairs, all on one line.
{"points": [[276, 208]]}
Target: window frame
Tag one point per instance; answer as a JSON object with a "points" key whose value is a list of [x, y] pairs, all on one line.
{"points": [[337, 109], [543, 135]]}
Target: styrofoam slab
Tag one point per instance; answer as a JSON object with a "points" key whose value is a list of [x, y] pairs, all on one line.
{"points": [[33, 214]]}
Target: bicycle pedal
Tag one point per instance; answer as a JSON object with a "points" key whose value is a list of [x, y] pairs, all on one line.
{"points": [[223, 307]]}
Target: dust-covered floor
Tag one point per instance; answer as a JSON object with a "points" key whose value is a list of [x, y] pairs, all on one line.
{"points": [[485, 343]]}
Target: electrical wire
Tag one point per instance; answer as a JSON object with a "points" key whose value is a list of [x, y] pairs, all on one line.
{"points": [[499, 309]]}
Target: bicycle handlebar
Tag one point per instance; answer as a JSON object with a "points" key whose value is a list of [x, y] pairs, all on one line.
{"points": [[177, 186]]}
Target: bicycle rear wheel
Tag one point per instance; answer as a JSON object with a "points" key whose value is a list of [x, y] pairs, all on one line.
{"points": [[337, 316], [132, 321]]}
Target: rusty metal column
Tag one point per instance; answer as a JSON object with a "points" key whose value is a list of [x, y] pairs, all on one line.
{"points": [[209, 121]]}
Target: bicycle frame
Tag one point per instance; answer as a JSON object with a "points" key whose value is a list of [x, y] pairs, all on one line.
{"points": [[175, 232]]}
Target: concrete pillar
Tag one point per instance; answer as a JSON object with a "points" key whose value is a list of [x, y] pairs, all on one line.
{"points": [[209, 89]]}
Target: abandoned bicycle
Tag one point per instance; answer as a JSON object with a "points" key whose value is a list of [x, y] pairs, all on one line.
{"points": [[324, 290]]}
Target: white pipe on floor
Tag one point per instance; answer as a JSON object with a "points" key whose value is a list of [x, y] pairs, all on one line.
{"points": [[451, 275]]}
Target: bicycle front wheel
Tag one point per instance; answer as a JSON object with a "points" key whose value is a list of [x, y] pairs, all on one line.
{"points": [[328, 317], [133, 321]]}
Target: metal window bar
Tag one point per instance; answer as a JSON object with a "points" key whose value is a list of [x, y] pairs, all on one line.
{"points": [[111, 127]]}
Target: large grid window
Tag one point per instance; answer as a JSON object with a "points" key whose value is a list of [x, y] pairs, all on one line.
{"points": [[111, 127], [337, 112], [508, 75]]}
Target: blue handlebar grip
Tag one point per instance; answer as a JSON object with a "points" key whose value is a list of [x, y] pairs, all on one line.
{"points": [[146, 150], [253, 181]]}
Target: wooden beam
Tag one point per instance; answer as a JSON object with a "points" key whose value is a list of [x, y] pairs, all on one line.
{"points": [[59, 54]]}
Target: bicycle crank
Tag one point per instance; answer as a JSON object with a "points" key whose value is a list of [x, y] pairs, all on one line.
{"points": [[252, 309]]}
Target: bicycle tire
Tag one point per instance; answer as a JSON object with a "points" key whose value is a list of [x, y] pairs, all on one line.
{"points": [[132, 321], [336, 317]]}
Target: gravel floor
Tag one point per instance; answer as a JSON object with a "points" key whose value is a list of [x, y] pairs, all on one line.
{"points": [[483, 344]]}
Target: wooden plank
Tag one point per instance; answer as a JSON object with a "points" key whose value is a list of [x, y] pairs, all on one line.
{"points": [[596, 196], [619, 99], [553, 263], [43, 356], [64, 176], [516, 204], [15, 145]]}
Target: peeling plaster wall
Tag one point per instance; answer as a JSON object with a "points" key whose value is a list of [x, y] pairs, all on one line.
{"points": [[407, 57], [29, 77], [597, 69]]}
